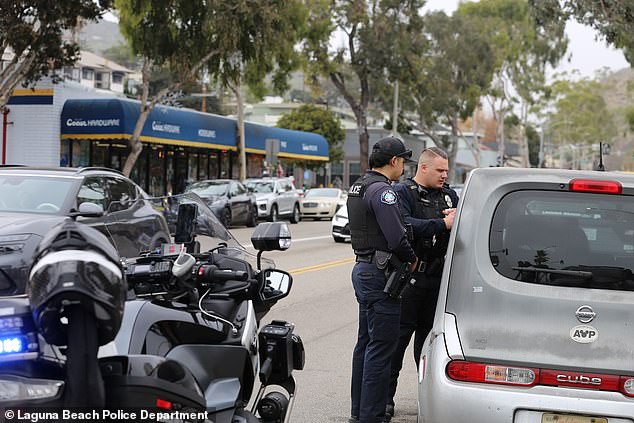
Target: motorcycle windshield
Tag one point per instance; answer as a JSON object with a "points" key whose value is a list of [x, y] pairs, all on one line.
{"points": [[153, 224]]}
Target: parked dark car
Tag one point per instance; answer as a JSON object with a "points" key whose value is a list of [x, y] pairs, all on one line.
{"points": [[33, 200], [230, 201]]}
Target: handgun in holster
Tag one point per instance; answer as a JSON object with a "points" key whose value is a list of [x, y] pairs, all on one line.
{"points": [[398, 277]]}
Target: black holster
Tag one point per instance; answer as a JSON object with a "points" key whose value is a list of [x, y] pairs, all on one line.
{"points": [[398, 277]]}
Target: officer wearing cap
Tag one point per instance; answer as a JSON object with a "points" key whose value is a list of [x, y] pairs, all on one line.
{"points": [[376, 231], [428, 204]]}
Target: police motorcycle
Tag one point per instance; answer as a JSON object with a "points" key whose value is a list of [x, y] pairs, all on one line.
{"points": [[174, 330]]}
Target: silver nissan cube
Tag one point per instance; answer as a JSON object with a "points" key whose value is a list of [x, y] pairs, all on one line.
{"points": [[535, 318]]}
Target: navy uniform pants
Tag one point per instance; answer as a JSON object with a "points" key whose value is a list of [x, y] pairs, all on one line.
{"points": [[417, 317], [379, 317]]}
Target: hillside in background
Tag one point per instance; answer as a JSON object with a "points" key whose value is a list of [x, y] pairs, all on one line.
{"points": [[100, 36]]}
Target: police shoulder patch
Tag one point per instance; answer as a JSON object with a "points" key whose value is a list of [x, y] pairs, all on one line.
{"points": [[448, 200], [388, 197]]}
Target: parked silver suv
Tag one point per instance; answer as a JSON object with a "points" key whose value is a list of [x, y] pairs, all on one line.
{"points": [[275, 197], [535, 319]]}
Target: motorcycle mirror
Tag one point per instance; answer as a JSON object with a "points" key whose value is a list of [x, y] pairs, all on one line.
{"points": [[271, 236], [277, 284]]}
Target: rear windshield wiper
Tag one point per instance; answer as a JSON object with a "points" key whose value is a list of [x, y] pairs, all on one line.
{"points": [[579, 273]]}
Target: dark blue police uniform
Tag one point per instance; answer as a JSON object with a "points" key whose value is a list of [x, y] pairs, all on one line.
{"points": [[422, 208], [375, 225]]}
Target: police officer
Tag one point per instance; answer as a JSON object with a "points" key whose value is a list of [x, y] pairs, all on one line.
{"points": [[377, 233], [428, 204]]}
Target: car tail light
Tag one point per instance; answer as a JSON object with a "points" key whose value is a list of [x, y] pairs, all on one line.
{"points": [[488, 373], [626, 386], [467, 371], [595, 186]]}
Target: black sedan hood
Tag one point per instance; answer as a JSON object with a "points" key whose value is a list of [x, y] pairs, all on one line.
{"points": [[16, 253]]}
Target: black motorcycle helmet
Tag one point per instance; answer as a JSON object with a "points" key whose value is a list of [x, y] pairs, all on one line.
{"points": [[76, 265]]}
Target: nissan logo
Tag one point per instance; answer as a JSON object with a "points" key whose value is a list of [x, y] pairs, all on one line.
{"points": [[585, 314]]}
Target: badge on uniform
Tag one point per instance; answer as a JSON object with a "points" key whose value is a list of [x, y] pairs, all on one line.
{"points": [[448, 200], [388, 197]]}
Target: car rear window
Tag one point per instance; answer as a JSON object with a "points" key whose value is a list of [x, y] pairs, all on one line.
{"points": [[570, 239]]}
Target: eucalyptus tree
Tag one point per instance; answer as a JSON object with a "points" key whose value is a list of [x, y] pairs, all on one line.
{"points": [[450, 79], [32, 38], [580, 116], [613, 19], [377, 41], [523, 46], [232, 41]]}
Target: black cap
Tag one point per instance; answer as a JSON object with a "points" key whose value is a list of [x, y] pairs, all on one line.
{"points": [[393, 146]]}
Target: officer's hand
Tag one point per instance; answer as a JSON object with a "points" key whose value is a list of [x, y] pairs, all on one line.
{"points": [[449, 217], [413, 266]]}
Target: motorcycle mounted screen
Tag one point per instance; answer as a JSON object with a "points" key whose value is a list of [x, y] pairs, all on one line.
{"points": [[186, 223]]}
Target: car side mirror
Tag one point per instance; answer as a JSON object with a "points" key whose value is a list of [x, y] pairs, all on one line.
{"points": [[88, 209], [276, 284], [271, 236]]}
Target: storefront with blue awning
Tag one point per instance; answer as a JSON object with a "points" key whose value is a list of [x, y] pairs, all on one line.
{"points": [[180, 145]]}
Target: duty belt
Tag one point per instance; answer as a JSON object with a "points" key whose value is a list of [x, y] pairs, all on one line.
{"points": [[365, 258]]}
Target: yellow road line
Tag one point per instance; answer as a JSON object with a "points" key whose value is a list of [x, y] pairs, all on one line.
{"points": [[321, 266]]}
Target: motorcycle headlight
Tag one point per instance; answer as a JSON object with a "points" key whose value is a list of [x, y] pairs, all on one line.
{"points": [[15, 388]]}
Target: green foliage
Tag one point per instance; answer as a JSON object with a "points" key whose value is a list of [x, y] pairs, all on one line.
{"points": [[403, 126], [381, 42], [533, 145], [32, 30], [456, 72], [311, 118], [581, 116], [613, 19]]}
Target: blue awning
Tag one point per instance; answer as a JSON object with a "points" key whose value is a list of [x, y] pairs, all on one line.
{"points": [[293, 144], [115, 118]]}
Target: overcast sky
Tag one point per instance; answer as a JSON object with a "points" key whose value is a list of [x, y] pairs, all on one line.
{"points": [[587, 55]]}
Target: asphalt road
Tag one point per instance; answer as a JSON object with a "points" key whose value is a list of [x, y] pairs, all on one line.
{"points": [[323, 308]]}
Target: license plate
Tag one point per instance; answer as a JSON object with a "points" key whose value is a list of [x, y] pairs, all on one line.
{"points": [[569, 418]]}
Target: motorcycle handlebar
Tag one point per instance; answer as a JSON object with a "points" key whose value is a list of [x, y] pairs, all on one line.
{"points": [[211, 273]]}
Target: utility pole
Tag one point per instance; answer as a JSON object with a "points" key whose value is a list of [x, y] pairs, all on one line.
{"points": [[395, 113]]}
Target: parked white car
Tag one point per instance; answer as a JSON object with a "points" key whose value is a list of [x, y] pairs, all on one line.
{"points": [[339, 226], [321, 203]]}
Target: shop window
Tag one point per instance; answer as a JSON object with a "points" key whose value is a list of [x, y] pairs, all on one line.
{"points": [[214, 163], [99, 155], [225, 164], [139, 172], [80, 153], [192, 168], [64, 157], [169, 172], [157, 170], [180, 181], [203, 166]]}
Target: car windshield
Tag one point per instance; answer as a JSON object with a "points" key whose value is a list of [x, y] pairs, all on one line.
{"points": [[566, 239], [261, 186], [34, 194], [323, 192], [207, 188]]}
